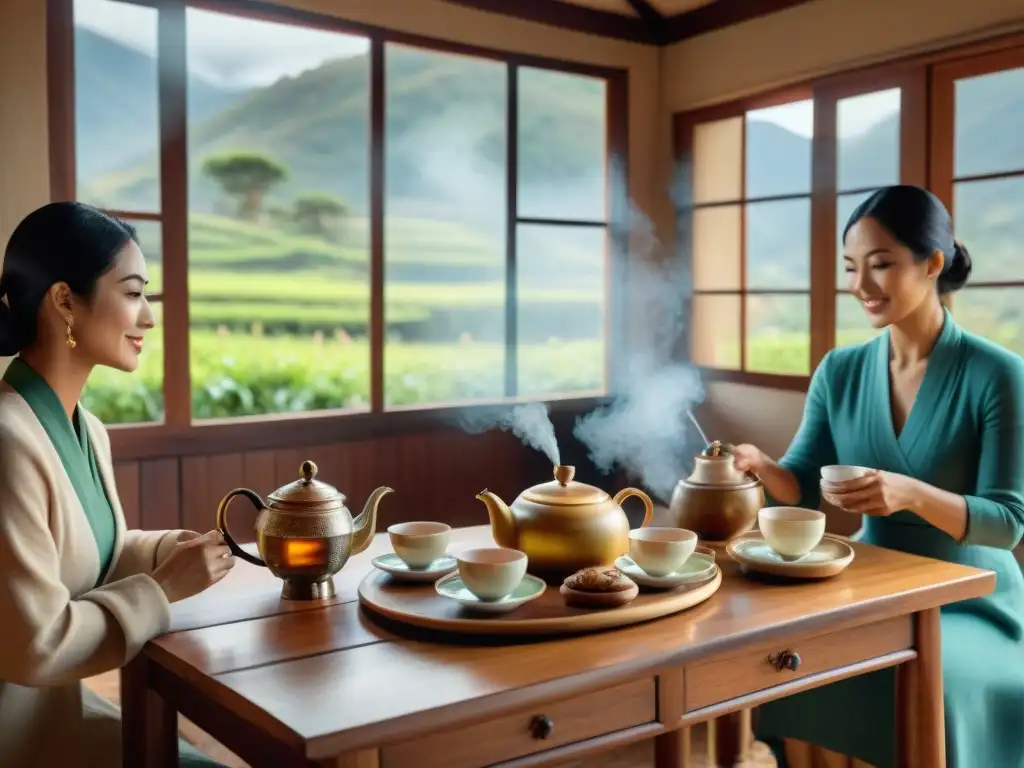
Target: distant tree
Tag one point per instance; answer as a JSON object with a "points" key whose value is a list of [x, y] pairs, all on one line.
{"points": [[319, 213], [246, 177]]}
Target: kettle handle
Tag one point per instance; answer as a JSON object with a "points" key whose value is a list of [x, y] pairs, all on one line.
{"points": [[625, 493], [222, 523]]}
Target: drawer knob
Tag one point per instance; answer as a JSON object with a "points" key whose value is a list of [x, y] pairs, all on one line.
{"points": [[785, 660], [541, 727]]}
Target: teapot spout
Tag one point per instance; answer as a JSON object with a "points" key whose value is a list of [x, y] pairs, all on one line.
{"points": [[503, 525], [364, 526]]}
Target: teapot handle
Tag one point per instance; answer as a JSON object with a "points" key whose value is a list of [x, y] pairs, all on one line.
{"points": [[625, 493], [222, 523]]}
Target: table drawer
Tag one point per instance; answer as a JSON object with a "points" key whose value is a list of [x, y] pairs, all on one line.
{"points": [[728, 677], [528, 731]]}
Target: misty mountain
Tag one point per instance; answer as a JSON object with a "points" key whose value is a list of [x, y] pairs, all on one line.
{"points": [[116, 102], [445, 136], [445, 148]]}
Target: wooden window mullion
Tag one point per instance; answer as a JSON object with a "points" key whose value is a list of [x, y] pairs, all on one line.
{"points": [[173, 114]]}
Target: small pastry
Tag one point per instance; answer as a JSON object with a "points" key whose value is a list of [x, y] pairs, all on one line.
{"points": [[598, 587], [599, 579]]}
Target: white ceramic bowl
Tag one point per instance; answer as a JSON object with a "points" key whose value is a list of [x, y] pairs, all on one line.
{"points": [[661, 551], [791, 531], [841, 473], [491, 573], [419, 544]]}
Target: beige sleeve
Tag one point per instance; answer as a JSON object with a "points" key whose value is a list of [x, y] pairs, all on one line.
{"points": [[141, 551], [48, 638]]}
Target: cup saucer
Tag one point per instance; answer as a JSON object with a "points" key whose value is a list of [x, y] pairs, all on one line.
{"points": [[697, 566], [530, 588], [395, 567], [828, 558]]}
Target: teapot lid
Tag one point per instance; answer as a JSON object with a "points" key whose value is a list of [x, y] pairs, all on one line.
{"points": [[563, 491], [307, 494], [714, 466]]}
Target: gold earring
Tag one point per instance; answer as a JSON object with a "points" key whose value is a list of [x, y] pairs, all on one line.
{"points": [[71, 338]]}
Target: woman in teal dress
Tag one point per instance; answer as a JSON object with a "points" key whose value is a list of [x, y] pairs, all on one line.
{"points": [[81, 594], [937, 413]]}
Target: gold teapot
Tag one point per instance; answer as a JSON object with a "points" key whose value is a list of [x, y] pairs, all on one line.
{"points": [[304, 533], [717, 501], [564, 526]]}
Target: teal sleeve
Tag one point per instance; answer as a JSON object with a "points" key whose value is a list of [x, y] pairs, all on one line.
{"points": [[995, 512], [812, 447]]}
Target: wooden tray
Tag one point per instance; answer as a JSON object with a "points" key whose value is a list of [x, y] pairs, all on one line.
{"points": [[421, 606]]}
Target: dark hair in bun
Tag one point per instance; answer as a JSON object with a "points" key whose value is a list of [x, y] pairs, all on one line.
{"points": [[919, 221], [955, 274], [69, 243]]}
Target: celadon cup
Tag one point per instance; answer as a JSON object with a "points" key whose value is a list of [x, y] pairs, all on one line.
{"points": [[791, 531], [419, 544], [492, 573]]}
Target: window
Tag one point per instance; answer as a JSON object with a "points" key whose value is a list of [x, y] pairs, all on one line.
{"points": [[445, 147], [463, 322], [117, 169], [949, 121], [867, 158], [987, 185], [560, 235], [361, 223], [750, 239], [278, 207]]}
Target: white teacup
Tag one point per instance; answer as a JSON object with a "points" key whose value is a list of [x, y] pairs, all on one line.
{"points": [[491, 573], [791, 531], [661, 551], [419, 544], [841, 473]]}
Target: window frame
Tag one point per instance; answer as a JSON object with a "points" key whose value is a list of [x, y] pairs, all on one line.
{"points": [[178, 434], [684, 127], [943, 135], [926, 159]]}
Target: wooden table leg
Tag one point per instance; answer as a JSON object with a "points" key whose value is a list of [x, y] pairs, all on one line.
{"points": [[920, 716], [149, 726], [727, 737], [672, 749]]}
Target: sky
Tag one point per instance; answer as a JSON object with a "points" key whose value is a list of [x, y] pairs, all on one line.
{"points": [[239, 53], [224, 49]]}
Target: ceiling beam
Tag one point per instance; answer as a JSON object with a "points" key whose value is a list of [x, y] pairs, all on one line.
{"points": [[565, 15], [648, 26], [720, 14], [653, 18]]}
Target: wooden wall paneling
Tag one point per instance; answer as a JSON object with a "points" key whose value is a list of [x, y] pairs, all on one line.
{"points": [[259, 471], [197, 496], [159, 494], [470, 470], [360, 461], [287, 463], [409, 475], [126, 478], [226, 471]]}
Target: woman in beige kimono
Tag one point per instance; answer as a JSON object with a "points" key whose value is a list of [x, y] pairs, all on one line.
{"points": [[80, 595]]}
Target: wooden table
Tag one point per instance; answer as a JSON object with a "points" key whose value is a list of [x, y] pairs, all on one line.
{"points": [[298, 684]]}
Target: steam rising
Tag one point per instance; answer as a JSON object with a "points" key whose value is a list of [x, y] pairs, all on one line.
{"points": [[648, 429], [530, 423]]}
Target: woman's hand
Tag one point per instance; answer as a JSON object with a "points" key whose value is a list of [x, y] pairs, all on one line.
{"points": [[193, 566], [748, 458], [188, 536], [877, 493]]}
